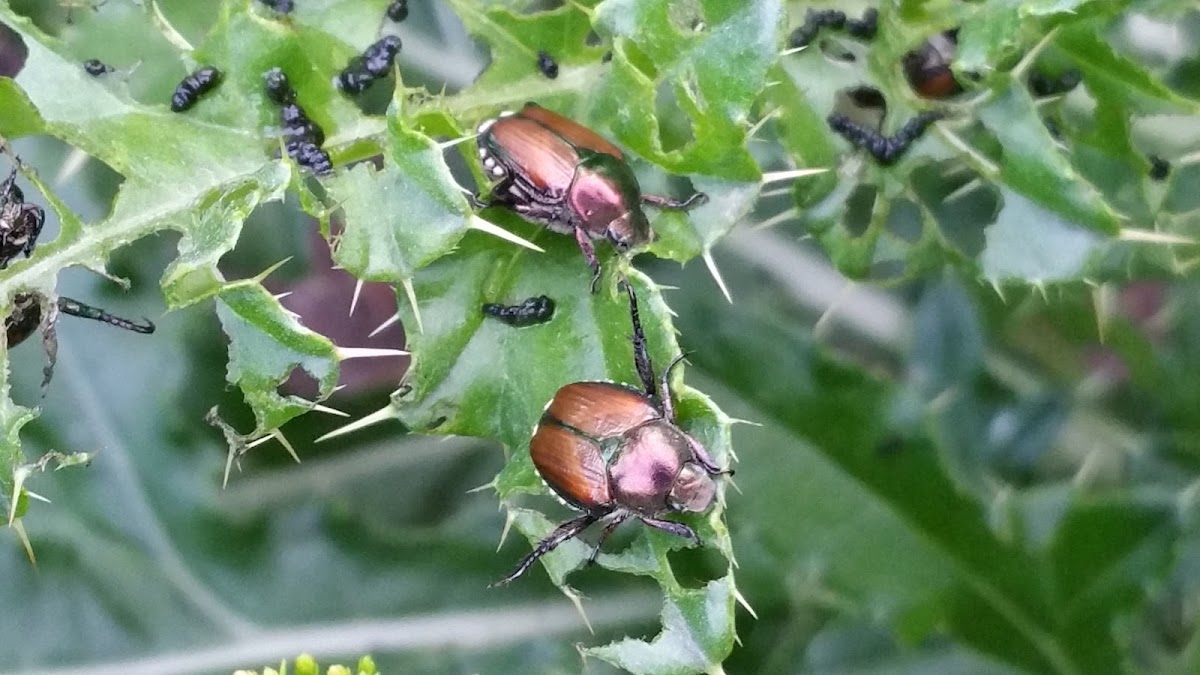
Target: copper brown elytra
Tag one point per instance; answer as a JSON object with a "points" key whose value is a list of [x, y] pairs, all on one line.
{"points": [[560, 174], [615, 452]]}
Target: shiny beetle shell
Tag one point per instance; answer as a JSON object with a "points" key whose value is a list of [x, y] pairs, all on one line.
{"points": [[928, 66], [563, 175], [602, 445]]}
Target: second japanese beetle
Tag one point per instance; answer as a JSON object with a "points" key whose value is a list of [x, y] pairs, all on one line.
{"points": [[928, 67], [20, 222], [27, 314], [615, 452], [557, 172]]}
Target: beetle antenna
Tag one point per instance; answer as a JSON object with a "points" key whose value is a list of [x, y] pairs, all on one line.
{"points": [[77, 308], [641, 356], [563, 532]]}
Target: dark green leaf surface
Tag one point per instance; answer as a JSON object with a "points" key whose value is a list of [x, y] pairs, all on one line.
{"points": [[1033, 166], [400, 218]]}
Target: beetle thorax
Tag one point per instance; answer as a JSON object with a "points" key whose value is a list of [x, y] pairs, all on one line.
{"points": [[647, 464]]}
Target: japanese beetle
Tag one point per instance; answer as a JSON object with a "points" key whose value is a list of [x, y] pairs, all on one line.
{"points": [[374, 63], [531, 312], [96, 67], [928, 67], [547, 65], [562, 175], [616, 452], [26, 316], [194, 86], [20, 223]]}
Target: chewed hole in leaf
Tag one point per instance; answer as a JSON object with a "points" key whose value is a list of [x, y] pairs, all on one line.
{"points": [[322, 299], [695, 566], [13, 52], [962, 205], [904, 220], [299, 383], [858, 209], [887, 270], [674, 124], [863, 105], [638, 59]]}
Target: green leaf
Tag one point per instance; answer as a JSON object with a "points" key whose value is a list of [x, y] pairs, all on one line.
{"points": [[400, 218], [266, 344], [203, 183], [680, 648], [1035, 245], [712, 58], [1033, 166], [1120, 76]]}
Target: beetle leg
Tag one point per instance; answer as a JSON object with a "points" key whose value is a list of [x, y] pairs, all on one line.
{"points": [[563, 532], [77, 308], [641, 355], [705, 460], [589, 252], [677, 529], [665, 388], [616, 521], [658, 202], [479, 203]]}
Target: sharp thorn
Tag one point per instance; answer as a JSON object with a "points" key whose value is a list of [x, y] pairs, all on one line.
{"points": [[284, 441], [329, 411], [358, 286], [1152, 237], [412, 301], [477, 223], [776, 176], [451, 143], [716, 275], [267, 272], [737, 593], [347, 353], [509, 517], [781, 217], [381, 415]]}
